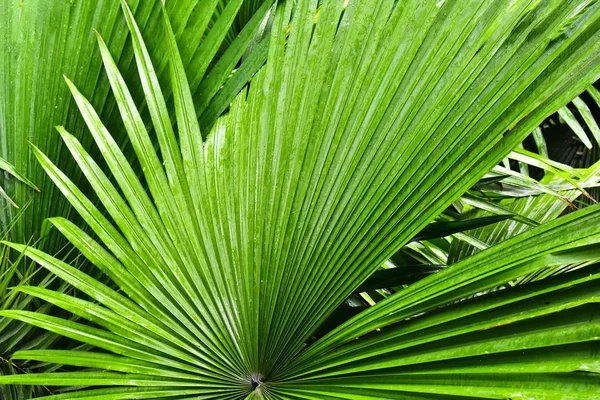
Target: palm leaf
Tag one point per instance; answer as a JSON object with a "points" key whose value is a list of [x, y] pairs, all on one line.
{"points": [[40, 42], [10, 170], [359, 130], [538, 207], [15, 335]]}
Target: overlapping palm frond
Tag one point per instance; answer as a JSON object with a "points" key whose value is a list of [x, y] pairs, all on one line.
{"points": [[361, 128], [529, 190], [41, 41], [563, 187]]}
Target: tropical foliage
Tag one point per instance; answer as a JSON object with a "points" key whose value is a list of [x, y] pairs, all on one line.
{"points": [[41, 41], [247, 208]]}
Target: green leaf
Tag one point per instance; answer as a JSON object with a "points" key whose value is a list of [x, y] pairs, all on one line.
{"points": [[361, 128], [403, 275], [447, 228], [570, 119], [45, 41], [10, 169], [585, 112]]}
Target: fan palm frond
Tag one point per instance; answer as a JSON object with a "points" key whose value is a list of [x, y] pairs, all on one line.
{"points": [[362, 127], [42, 41]]}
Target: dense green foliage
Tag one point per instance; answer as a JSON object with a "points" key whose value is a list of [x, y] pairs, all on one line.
{"points": [[236, 209]]}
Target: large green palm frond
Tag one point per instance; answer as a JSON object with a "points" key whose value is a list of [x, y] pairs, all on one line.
{"points": [[41, 41], [365, 124]]}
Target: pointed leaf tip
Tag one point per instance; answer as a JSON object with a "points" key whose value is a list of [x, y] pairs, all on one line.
{"points": [[99, 37], [34, 147], [125, 7], [70, 84]]}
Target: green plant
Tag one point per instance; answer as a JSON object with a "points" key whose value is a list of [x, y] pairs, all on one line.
{"points": [[7, 167], [365, 124], [221, 45], [15, 335], [41, 41], [535, 206]]}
